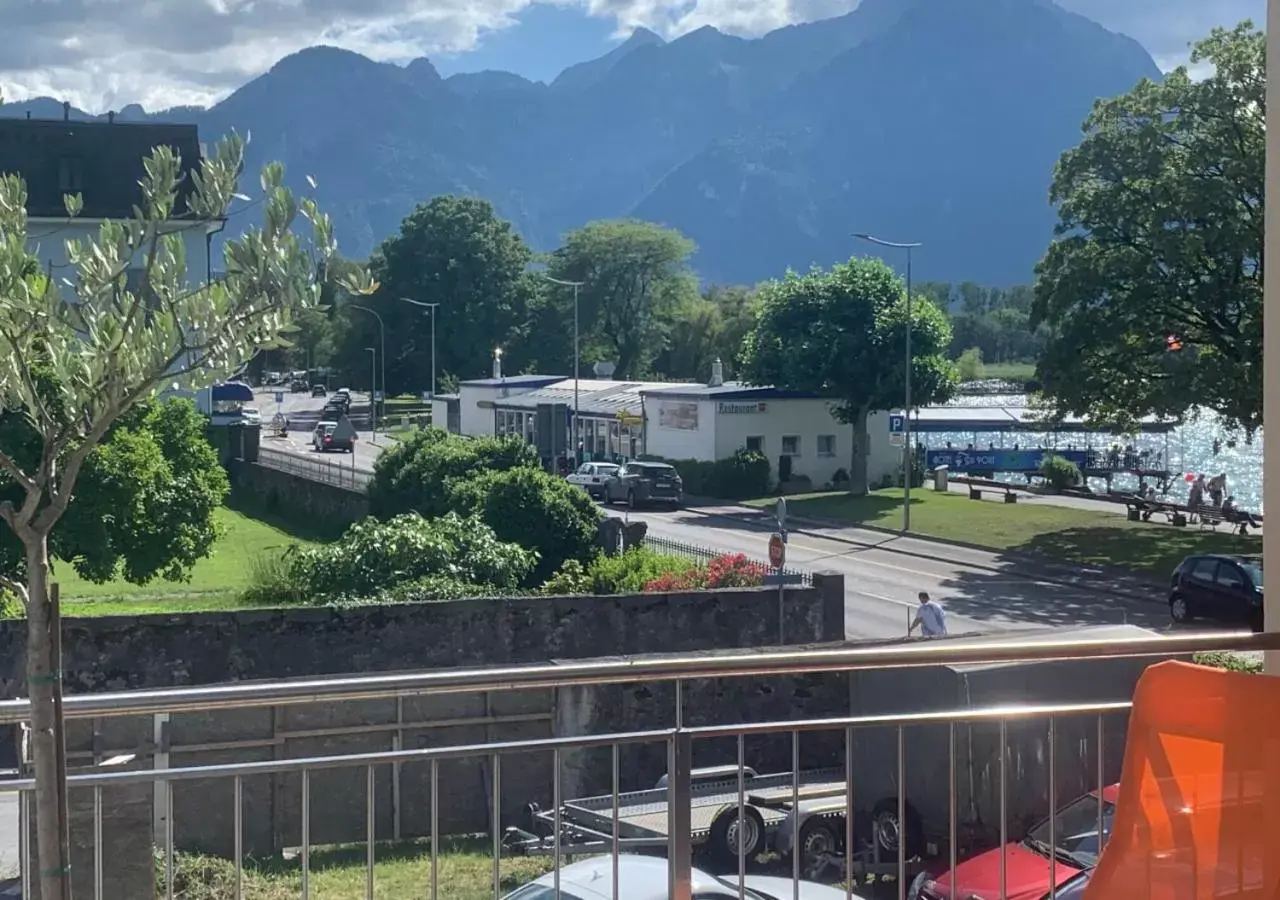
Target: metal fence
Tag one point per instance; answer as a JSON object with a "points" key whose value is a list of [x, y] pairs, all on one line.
{"points": [[610, 826], [339, 471], [706, 554]]}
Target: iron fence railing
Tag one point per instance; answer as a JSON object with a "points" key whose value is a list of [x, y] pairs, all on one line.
{"points": [[338, 470], [706, 554], [672, 817]]}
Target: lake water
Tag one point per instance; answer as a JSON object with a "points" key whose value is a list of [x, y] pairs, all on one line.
{"points": [[1188, 448]]}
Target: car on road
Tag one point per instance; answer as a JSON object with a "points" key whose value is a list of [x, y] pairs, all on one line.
{"points": [[645, 484], [1027, 862], [344, 393], [329, 436], [593, 476], [1219, 587], [299, 385], [645, 878], [319, 390], [334, 408]]}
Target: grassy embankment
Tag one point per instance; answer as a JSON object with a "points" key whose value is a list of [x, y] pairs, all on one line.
{"points": [[1029, 526]]}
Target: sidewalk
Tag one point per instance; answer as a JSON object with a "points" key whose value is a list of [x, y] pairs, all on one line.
{"points": [[1103, 579]]}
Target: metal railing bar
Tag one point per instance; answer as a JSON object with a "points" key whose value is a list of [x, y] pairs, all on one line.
{"points": [[665, 668]]}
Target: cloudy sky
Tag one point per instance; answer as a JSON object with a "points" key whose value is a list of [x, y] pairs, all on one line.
{"points": [[103, 54]]}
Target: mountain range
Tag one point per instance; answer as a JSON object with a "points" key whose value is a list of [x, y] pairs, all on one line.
{"points": [[937, 121]]}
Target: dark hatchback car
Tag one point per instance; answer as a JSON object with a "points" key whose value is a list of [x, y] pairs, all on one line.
{"points": [[1222, 588], [645, 483]]}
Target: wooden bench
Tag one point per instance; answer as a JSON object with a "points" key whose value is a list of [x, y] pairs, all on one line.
{"points": [[1208, 517], [977, 487], [1142, 510]]}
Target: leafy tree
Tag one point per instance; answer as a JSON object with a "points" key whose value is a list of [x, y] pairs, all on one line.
{"points": [[840, 334], [704, 329], [108, 350], [1160, 245], [969, 365], [454, 251], [536, 510], [635, 277]]}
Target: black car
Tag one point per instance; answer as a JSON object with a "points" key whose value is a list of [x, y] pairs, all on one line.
{"points": [[1220, 587], [319, 390], [643, 483], [298, 386]]}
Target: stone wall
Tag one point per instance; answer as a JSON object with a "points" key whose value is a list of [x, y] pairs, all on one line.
{"points": [[204, 648], [278, 491]]}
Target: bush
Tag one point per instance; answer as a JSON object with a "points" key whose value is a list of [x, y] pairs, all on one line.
{"points": [[629, 572], [375, 557], [418, 474], [1059, 472], [727, 571], [969, 366], [535, 509], [740, 477], [1232, 662], [570, 580]]}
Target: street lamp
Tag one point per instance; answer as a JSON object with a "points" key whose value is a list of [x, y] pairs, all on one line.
{"points": [[373, 408], [373, 393], [577, 428], [430, 307], [908, 452]]}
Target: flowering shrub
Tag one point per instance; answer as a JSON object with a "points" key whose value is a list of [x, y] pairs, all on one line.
{"points": [[727, 571]]}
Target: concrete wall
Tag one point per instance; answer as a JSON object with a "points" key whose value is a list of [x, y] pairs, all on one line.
{"points": [[272, 489], [158, 651]]}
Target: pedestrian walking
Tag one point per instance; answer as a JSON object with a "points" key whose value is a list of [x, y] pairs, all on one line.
{"points": [[930, 618]]}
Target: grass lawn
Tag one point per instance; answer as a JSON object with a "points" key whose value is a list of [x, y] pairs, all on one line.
{"points": [[1066, 533], [1009, 371], [402, 870], [215, 583]]}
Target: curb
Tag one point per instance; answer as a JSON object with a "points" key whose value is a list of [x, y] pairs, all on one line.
{"points": [[1050, 579]]}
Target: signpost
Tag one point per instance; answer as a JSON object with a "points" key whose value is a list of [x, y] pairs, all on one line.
{"points": [[897, 429], [279, 397], [777, 551]]}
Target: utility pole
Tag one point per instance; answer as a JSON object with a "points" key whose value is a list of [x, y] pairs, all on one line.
{"points": [[373, 405], [577, 428], [373, 391], [908, 451], [431, 308]]}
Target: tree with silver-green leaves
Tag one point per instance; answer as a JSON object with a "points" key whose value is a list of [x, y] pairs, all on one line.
{"points": [[841, 334], [109, 342], [1151, 293]]}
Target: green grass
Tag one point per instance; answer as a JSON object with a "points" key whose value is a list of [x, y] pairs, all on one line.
{"points": [[1009, 371], [216, 583], [1078, 535], [401, 870]]}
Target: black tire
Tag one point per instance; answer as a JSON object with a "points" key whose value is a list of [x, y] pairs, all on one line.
{"points": [[819, 838], [1179, 612], [722, 842], [886, 831]]}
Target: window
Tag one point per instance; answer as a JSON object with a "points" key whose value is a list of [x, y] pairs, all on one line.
{"points": [[1230, 577], [755, 444], [1205, 570], [826, 445], [790, 445]]}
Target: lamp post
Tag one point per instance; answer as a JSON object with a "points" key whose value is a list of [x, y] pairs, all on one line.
{"points": [[373, 408], [577, 428], [908, 452], [373, 392], [431, 308]]}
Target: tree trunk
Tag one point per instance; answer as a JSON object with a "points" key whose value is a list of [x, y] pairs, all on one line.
{"points": [[54, 874], [858, 455]]}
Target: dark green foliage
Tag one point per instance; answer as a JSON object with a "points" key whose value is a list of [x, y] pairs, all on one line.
{"points": [[1059, 472], [740, 477]]}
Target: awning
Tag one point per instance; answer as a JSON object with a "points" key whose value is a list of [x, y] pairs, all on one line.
{"points": [[232, 392]]}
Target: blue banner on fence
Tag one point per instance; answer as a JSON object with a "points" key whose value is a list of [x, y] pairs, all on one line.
{"points": [[999, 460]]}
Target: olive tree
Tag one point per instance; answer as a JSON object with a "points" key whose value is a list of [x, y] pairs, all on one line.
{"points": [[111, 341]]}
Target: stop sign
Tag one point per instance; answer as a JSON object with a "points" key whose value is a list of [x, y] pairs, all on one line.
{"points": [[777, 551]]}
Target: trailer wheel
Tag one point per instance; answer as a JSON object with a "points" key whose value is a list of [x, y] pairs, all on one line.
{"points": [[722, 842], [819, 839], [888, 832]]}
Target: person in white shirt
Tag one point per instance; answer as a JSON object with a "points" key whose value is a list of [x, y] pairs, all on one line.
{"points": [[931, 618]]}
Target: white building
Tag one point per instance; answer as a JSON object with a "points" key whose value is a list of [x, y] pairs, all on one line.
{"points": [[628, 419]]}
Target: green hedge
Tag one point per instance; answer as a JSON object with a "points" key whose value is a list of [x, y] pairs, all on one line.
{"points": [[740, 477]]}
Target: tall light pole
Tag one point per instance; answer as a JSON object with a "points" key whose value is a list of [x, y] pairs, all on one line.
{"points": [[373, 392], [373, 408], [431, 308], [577, 428], [908, 452]]}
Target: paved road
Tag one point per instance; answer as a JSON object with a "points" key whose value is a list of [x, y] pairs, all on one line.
{"points": [[881, 585], [303, 412]]}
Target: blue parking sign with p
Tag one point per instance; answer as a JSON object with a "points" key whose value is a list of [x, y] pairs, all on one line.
{"points": [[897, 423]]}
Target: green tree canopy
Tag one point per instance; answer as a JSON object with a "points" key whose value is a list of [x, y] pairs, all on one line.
{"points": [[454, 251], [635, 277], [841, 334], [1160, 238]]}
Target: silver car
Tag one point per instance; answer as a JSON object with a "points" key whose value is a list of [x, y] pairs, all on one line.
{"points": [[645, 878], [593, 476]]}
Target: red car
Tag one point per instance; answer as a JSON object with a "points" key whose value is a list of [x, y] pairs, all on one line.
{"points": [[1027, 861]]}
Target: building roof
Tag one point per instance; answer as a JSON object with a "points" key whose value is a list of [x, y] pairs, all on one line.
{"points": [[984, 419], [101, 161], [526, 381], [595, 397], [730, 390]]}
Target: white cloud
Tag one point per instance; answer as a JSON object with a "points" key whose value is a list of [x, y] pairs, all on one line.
{"points": [[105, 53]]}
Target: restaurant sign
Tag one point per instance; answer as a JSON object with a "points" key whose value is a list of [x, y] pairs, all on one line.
{"points": [[740, 409]]}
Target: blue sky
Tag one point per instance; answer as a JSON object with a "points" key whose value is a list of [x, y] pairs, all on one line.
{"points": [[103, 54]]}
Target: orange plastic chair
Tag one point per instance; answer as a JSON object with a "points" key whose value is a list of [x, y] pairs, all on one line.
{"points": [[1198, 814]]}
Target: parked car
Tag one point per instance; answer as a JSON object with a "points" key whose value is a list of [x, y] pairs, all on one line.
{"points": [[329, 436], [319, 390], [1027, 862], [593, 476], [298, 385], [645, 483], [1220, 587], [645, 878]]}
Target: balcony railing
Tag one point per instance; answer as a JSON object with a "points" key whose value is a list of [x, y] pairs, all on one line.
{"points": [[339, 471], [689, 807]]}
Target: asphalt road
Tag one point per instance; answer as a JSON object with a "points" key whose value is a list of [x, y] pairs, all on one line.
{"points": [[303, 412]]}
